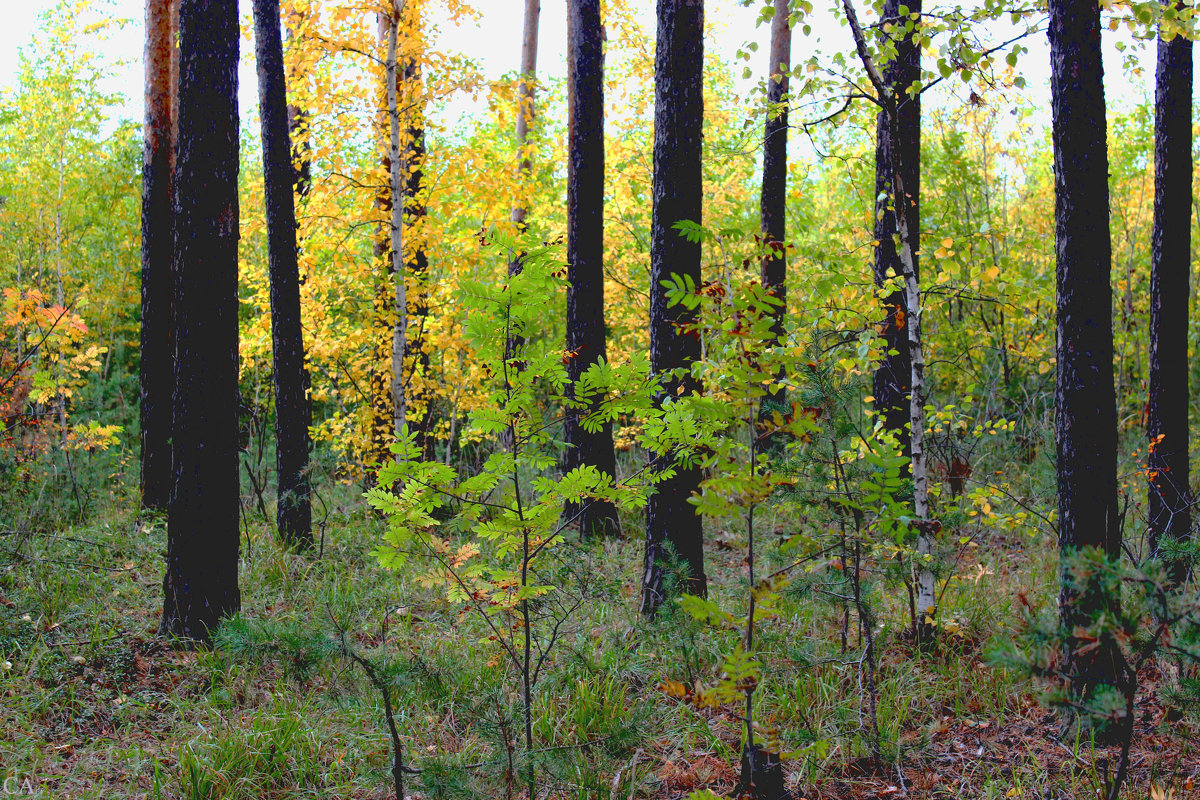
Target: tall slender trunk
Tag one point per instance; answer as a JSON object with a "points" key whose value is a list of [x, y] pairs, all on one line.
{"points": [[396, 189], [416, 259], [673, 529], [383, 410], [1170, 496], [773, 206], [898, 143], [586, 343], [897, 148], [157, 371], [201, 583], [1085, 429], [292, 411], [526, 89], [526, 110]]}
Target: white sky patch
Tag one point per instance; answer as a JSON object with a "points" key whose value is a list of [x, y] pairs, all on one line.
{"points": [[495, 43]]}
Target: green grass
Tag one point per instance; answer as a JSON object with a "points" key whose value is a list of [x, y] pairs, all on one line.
{"points": [[94, 706]]}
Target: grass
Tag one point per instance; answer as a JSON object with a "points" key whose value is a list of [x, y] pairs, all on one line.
{"points": [[94, 705]]}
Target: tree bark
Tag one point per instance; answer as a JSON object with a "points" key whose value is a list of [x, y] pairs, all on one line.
{"points": [[396, 189], [201, 583], [157, 343], [672, 526], [383, 408], [893, 377], [1086, 431], [586, 343], [1169, 495], [526, 88], [292, 412], [773, 207]]}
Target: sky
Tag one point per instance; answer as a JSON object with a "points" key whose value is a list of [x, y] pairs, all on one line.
{"points": [[494, 42]]}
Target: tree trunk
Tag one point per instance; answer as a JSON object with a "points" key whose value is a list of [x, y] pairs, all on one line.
{"points": [[292, 412], [586, 343], [396, 190], [774, 181], [1086, 431], [157, 369], [201, 583], [383, 409], [673, 529], [526, 87], [1169, 496], [416, 260], [893, 377]]}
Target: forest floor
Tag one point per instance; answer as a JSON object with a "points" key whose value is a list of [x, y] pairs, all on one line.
{"points": [[94, 706]]}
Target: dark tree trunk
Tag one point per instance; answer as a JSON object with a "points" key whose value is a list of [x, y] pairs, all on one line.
{"points": [[585, 249], [893, 377], [774, 181], [201, 584], [157, 368], [1085, 406], [416, 260], [1169, 496], [671, 521], [292, 413]]}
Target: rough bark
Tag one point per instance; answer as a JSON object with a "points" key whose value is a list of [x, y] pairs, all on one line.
{"points": [[396, 190], [671, 521], [586, 343], [773, 208], [292, 413], [157, 369], [1085, 406], [893, 377], [201, 583], [1169, 495]]}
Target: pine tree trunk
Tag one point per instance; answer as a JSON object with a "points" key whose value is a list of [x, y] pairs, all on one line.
{"points": [[157, 357], [586, 343], [292, 412], [774, 181], [201, 583], [893, 377], [1169, 495], [673, 529], [1086, 431]]}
